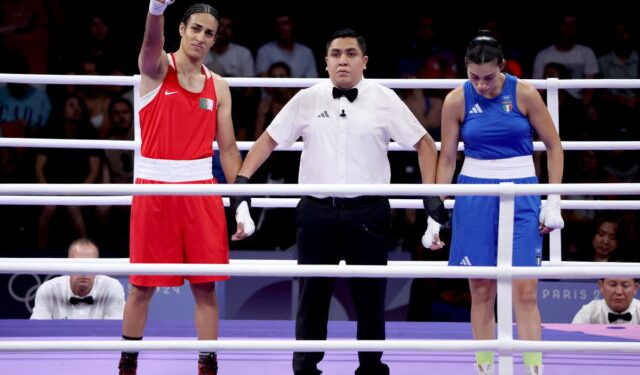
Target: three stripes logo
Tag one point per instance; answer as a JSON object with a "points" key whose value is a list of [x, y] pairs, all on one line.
{"points": [[476, 109], [465, 261], [324, 114]]}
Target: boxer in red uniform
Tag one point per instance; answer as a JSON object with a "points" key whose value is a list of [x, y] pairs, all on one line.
{"points": [[185, 107]]}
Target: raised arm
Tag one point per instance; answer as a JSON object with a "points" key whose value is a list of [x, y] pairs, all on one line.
{"points": [[152, 60]]}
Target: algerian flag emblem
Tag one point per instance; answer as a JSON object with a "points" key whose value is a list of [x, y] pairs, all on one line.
{"points": [[206, 104]]}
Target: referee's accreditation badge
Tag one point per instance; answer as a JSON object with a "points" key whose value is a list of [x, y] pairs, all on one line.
{"points": [[206, 104]]}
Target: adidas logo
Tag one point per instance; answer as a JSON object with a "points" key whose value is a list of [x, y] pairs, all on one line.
{"points": [[324, 114], [465, 261], [476, 109]]}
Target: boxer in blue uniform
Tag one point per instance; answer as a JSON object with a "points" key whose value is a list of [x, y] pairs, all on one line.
{"points": [[495, 115]]}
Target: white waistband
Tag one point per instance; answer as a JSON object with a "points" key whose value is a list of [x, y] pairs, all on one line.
{"points": [[516, 167], [174, 170]]}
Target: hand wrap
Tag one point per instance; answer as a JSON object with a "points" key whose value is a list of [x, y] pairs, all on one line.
{"points": [[550, 213]]}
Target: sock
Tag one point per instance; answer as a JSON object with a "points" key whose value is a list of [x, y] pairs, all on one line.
{"points": [[130, 355], [484, 358], [532, 358], [203, 356]]}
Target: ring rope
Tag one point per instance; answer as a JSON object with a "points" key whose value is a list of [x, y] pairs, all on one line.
{"points": [[320, 345], [396, 83], [414, 270], [25, 200], [321, 189], [505, 341], [297, 146]]}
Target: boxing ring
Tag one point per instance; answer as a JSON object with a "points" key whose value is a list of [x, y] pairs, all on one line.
{"points": [[264, 347]]}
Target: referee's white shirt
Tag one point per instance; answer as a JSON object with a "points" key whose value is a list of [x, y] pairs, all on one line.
{"points": [[52, 300], [349, 149], [597, 312]]}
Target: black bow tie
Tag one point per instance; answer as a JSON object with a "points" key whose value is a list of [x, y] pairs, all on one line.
{"points": [[350, 94], [76, 300], [613, 317]]}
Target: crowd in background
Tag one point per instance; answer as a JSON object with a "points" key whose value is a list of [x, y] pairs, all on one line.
{"points": [[60, 37]]}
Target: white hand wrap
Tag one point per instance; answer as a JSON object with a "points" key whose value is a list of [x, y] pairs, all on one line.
{"points": [[157, 8], [244, 217], [550, 213], [432, 234]]}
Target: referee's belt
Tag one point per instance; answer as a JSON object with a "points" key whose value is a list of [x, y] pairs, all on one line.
{"points": [[347, 202]]}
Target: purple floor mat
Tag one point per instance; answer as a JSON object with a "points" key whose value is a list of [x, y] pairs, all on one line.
{"points": [[267, 363]]}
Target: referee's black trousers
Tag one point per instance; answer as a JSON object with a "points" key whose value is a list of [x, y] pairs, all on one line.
{"points": [[356, 229]]}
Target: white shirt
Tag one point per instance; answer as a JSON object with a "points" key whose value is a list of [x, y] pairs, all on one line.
{"points": [[300, 59], [597, 312], [580, 60], [350, 149], [52, 300], [236, 61]]}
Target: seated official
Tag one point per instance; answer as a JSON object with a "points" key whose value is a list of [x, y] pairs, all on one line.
{"points": [[618, 306], [80, 296]]}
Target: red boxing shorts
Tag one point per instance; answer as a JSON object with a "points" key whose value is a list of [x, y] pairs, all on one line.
{"points": [[177, 229]]}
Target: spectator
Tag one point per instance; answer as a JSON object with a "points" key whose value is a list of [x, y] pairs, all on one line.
{"points": [[284, 48], [24, 109], [606, 242], [230, 59], [80, 296], [280, 168], [618, 108], [618, 305], [30, 28], [113, 221], [575, 124], [227, 58], [426, 56], [69, 121], [579, 58]]}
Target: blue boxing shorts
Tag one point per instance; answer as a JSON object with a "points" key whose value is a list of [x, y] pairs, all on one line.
{"points": [[474, 240]]}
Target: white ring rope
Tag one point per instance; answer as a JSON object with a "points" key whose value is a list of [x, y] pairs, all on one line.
{"points": [[297, 146], [320, 189], [319, 345], [25, 200], [505, 344], [412, 270], [399, 83]]}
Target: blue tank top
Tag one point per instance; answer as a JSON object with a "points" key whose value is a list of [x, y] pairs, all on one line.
{"points": [[495, 128]]}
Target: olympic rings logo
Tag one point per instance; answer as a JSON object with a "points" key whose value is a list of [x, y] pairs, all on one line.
{"points": [[28, 295]]}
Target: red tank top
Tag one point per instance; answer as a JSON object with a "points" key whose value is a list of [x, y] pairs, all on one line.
{"points": [[177, 124]]}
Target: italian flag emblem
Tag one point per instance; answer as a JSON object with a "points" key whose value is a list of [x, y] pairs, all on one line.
{"points": [[206, 104], [507, 106]]}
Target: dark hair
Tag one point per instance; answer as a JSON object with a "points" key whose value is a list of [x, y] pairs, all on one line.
{"points": [[56, 118], [622, 253], [484, 48], [280, 64], [348, 33], [563, 71], [118, 100], [637, 281], [200, 8]]}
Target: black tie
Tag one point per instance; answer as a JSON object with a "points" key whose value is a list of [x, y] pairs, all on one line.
{"points": [[613, 317], [350, 94], [76, 300]]}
